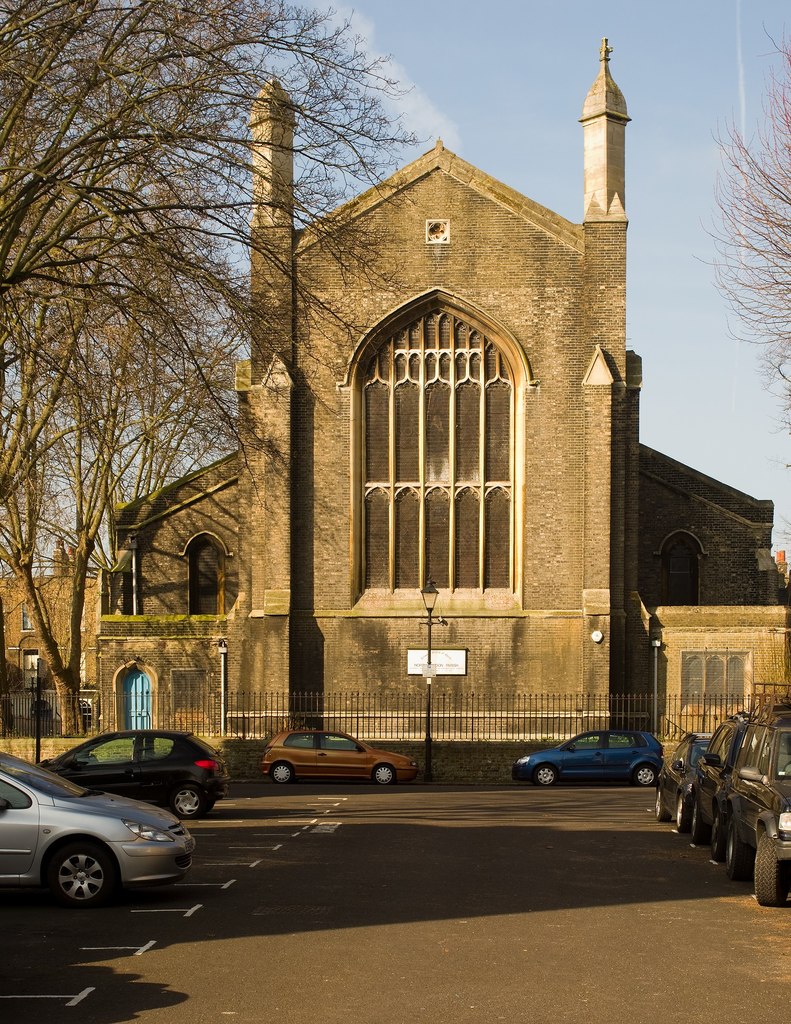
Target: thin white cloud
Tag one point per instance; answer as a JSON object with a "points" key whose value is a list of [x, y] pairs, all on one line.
{"points": [[419, 114]]}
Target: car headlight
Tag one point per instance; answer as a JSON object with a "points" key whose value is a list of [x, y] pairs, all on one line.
{"points": [[153, 835], [523, 760], [784, 822]]}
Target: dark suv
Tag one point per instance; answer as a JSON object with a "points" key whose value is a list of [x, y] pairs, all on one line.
{"points": [[713, 784], [759, 807]]}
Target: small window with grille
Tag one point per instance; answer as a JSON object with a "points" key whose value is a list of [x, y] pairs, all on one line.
{"points": [[206, 577], [680, 561]]}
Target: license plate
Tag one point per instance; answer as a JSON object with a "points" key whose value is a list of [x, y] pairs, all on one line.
{"points": [[189, 846]]}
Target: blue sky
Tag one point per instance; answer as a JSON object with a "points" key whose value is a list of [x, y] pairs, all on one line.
{"points": [[503, 83]]}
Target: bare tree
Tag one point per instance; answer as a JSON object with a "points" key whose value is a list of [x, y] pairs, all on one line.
{"points": [[754, 240], [125, 207]]}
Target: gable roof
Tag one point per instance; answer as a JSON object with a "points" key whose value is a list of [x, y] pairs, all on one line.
{"points": [[684, 480], [441, 159], [179, 494]]}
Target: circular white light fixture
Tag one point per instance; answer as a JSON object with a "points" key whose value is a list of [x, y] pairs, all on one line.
{"points": [[597, 636]]}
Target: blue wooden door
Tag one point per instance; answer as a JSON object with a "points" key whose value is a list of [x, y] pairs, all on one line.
{"points": [[137, 700]]}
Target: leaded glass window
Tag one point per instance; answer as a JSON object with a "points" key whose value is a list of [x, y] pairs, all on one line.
{"points": [[680, 557], [438, 411], [206, 577]]}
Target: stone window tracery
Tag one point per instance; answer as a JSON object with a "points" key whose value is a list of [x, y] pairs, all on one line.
{"points": [[438, 426]]}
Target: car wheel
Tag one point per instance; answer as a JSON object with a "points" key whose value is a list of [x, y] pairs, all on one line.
{"points": [[384, 774], [771, 875], [738, 855], [545, 775], [718, 837], [683, 814], [82, 875], [644, 775], [659, 807], [188, 801], [701, 832], [281, 771]]}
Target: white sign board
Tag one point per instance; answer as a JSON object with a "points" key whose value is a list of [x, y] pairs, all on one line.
{"points": [[443, 662]]}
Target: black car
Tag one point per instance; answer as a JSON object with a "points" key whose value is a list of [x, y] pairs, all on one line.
{"points": [[675, 787], [173, 769], [759, 807], [714, 772]]}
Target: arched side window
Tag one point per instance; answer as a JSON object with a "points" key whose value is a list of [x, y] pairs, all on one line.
{"points": [[437, 458], [680, 570], [206, 562]]}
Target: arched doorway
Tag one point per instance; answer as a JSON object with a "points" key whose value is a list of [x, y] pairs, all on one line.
{"points": [[136, 700]]}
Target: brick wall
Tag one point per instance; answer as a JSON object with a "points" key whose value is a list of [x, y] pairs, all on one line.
{"points": [[731, 528]]}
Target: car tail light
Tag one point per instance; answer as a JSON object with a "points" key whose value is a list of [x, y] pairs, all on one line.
{"points": [[210, 766]]}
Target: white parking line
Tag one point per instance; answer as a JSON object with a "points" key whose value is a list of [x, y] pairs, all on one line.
{"points": [[138, 950], [170, 910], [72, 1000], [195, 826], [223, 864], [258, 847], [209, 885]]}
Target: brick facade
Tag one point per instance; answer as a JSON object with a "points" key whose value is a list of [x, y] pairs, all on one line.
{"points": [[590, 507]]}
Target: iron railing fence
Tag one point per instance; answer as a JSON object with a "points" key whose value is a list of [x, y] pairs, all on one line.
{"points": [[375, 717]]}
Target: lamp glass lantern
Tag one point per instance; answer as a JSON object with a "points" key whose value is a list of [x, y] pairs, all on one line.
{"points": [[429, 593]]}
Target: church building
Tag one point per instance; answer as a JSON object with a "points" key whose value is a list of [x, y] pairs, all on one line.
{"points": [[460, 408]]}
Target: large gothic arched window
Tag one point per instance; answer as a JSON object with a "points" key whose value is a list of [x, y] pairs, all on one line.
{"points": [[438, 423]]}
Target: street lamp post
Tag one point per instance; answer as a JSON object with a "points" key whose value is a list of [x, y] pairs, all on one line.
{"points": [[656, 644], [37, 692], [429, 594], [222, 646]]}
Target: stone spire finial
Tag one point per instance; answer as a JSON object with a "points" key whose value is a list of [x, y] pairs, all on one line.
{"points": [[604, 97], [604, 119]]}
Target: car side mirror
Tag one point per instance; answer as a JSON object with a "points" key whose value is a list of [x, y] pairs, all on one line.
{"points": [[4, 804], [571, 746], [678, 765], [45, 763], [712, 760]]}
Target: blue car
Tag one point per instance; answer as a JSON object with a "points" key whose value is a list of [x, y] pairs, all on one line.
{"points": [[602, 755]]}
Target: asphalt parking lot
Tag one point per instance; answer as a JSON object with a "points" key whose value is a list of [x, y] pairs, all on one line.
{"points": [[407, 904]]}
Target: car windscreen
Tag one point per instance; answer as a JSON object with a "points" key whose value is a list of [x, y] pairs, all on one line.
{"points": [[41, 780]]}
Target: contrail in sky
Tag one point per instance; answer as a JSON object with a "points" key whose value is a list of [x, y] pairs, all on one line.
{"points": [[742, 125], [740, 67]]}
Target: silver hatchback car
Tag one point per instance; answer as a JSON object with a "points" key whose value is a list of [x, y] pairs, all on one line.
{"points": [[80, 844]]}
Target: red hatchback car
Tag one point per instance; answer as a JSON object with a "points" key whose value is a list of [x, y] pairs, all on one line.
{"points": [[316, 754]]}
